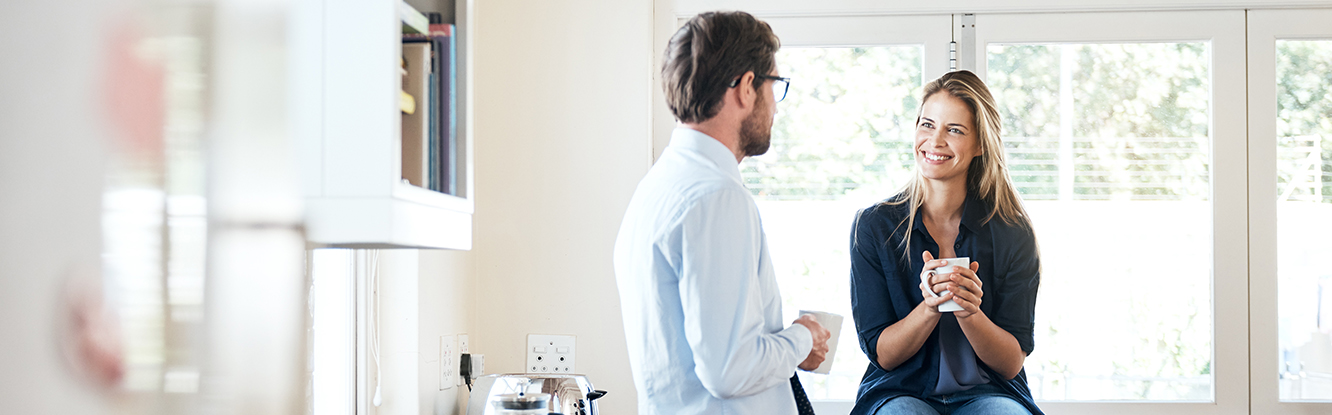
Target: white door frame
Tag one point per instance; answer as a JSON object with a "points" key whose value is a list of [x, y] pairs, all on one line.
{"points": [[931, 31], [1225, 32], [1265, 27]]}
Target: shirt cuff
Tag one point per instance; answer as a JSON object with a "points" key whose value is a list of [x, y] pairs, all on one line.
{"points": [[801, 338]]}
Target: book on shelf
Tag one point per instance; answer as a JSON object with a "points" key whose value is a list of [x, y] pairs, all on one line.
{"points": [[432, 171], [416, 125], [449, 90], [443, 146]]}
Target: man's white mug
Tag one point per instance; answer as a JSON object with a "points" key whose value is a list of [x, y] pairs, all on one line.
{"points": [[948, 306], [832, 322]]}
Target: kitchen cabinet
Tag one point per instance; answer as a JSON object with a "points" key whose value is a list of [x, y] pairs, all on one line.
{"points": [[347, 80]]}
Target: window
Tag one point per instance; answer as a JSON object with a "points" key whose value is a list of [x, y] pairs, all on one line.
{"points": [[1110, 146], [1304, 206], [155, 227], [841, 141], [1111, 138], [1290, 142], [1144, 243], [1176, 164]]}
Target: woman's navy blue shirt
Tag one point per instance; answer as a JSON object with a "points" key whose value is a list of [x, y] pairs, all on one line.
{"points": [[885, 288]]}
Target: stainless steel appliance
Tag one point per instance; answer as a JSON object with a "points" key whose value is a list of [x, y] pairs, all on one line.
{"points": [[506, 394]]}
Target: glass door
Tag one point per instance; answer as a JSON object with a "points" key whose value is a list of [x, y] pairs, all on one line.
{"points": [[1125, 135], [1290, 145], [841, 141], [1129, 137]]}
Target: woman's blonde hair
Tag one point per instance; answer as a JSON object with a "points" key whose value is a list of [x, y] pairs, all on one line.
{"points": [[987, 175]]}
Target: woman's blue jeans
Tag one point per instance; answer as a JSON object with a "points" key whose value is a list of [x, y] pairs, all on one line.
{"points": [[979, 400]]}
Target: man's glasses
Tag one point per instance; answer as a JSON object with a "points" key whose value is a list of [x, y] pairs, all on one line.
{"points": [[778, 84]]}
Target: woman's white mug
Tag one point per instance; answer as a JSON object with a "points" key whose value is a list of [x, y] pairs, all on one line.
{"points": [[948, 306]]}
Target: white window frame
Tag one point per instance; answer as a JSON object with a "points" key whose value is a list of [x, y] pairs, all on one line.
{"points": [[1265, 27], [775, 8], [930, 31], [933, 32], [1224, 30], [1243, 138]]}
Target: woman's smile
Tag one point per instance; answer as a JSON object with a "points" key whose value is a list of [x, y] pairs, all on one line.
{"points": [[935, 158]]}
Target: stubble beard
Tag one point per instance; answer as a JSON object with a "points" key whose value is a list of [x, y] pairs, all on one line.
{"points": [[756, 132]]}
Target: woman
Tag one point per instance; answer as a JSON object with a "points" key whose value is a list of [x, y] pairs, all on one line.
{"points": [[960, 204]]}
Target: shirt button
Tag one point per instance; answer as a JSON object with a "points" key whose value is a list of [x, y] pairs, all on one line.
{"points": [[957, 246]]}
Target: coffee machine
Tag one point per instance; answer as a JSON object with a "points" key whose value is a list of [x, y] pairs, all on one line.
{"points": [[534, 394]]}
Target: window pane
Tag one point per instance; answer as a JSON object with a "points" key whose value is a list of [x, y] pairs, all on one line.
{"points": [[840, 142], [1110, 146], [155, 227], [1304, 217]]}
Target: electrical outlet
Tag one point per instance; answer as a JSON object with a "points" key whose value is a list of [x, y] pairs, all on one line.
{"points": [[550, 354], [448, 363]]}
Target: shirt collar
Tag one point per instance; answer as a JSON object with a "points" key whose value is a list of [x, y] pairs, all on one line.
{"points": [[694, 141]]}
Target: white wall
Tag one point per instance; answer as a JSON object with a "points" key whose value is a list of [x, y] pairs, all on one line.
{"points": [[446, 308], [562, 138]]}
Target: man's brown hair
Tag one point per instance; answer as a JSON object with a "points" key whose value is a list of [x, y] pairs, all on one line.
{"points": [[709, 52]]}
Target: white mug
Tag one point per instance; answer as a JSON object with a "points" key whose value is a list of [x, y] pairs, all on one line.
{"points": [[832, 322], [950, 305]]}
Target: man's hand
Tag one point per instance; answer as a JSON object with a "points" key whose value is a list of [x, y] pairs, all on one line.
{"points": [[820, 349]]}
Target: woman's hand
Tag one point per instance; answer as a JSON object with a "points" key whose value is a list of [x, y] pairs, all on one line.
{"points": [[964, 287], [932, 300]]}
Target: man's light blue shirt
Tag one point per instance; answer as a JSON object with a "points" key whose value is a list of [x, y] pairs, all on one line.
{"points": [[702, 313]]}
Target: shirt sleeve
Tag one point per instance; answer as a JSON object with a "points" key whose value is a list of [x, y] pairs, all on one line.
{"points": [[871, 304], [734, 355], [1015, 294]]}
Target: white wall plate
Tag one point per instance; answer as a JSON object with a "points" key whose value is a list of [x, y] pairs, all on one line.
{"points": [[550, 354]]}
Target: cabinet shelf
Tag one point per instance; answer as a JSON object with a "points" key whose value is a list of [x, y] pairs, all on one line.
{"points": [[350, 130], [378, 222]]}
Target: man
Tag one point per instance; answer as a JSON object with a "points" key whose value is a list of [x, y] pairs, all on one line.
{"points": [[702, 313]]}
